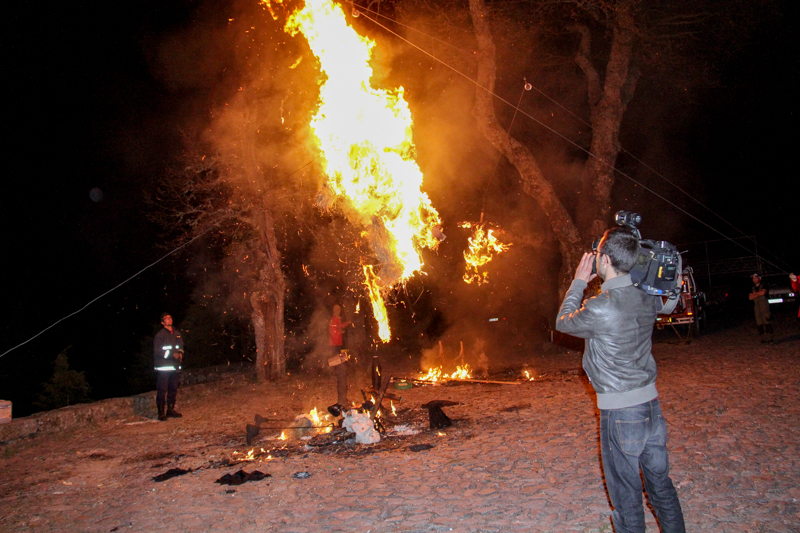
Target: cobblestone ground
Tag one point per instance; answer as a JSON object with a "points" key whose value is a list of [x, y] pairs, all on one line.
{"points": [[518, 458]]}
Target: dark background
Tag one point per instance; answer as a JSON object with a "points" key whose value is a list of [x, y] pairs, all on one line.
{"points": [[88, 109]]}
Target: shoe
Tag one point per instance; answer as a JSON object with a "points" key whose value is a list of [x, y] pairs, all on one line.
{"points": [[162, 413], [172, 413]]}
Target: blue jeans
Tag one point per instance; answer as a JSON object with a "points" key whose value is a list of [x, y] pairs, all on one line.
{"points": [[630, 439]]}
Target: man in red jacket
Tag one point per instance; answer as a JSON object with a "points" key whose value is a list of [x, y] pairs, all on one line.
{"points": [[796, 289], [336, 330]]}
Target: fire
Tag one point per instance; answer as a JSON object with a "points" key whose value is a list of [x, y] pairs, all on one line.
{"points": [[378, 307], [313, 415], [482, 246], [437, 374], [367, 152], [317, 421]]}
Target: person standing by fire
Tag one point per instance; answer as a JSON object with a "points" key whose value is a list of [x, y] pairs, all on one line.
{"points": [[168, 351], [795, 288], [336, 342], [617, 325], [758, 295]]}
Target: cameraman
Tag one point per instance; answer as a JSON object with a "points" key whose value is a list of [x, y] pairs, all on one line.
{"points": [[618, 325]]}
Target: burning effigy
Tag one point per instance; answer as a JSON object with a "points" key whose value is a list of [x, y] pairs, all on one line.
{"points": [[366, 153]]}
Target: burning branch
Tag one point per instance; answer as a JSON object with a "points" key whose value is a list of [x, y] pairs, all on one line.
{"points": [[482, 246]]}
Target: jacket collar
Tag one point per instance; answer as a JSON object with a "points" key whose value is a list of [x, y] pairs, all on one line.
{"points": [[616, 283]]}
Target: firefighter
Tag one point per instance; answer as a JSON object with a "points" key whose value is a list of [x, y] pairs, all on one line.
{"points": [[167, 358]]}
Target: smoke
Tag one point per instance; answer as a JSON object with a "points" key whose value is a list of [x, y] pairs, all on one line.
{"points": [[260, 87]]}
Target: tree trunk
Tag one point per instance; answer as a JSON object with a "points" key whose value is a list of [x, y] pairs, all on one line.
{"points": [[608, 101], [533, 181], [267, 302]]}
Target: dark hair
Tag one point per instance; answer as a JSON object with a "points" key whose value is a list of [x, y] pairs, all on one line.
{"points": [[622, 248]]}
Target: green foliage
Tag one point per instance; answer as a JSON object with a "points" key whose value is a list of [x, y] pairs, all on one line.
{"points": [[66, 386]]}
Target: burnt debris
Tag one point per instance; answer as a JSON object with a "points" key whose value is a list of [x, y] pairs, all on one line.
{"points": [[171, 473], [242, 477], [438, 418]]}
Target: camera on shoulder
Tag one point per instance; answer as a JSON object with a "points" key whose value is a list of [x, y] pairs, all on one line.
{"points": [[658, 266]]}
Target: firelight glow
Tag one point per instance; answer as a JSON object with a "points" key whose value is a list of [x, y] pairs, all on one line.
{"points": [[364, 134]]}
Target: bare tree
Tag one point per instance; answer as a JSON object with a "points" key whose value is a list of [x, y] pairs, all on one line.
{"points": [[231, 197], [608, 98], [601, 48]]}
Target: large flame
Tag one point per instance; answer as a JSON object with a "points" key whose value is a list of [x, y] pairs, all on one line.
{"points": [[482, 246], [378, 308], [364, 135]]}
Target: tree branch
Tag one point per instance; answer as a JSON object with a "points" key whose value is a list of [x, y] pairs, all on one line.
{"points": [[584, 61]]}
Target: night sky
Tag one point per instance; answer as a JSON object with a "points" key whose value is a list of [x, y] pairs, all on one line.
{"points": [[96, 117]]}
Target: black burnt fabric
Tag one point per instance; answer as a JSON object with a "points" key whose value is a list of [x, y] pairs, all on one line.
{"points": [[171, 473], [438, 418], [242, 477]]}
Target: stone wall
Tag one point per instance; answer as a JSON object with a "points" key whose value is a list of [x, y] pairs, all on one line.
{"points": [[92, 413]]}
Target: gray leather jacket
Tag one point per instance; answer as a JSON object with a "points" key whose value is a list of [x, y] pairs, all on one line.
{"points": [[618, 327]]}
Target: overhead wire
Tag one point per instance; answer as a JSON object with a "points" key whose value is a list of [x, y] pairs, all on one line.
{"points": [[187, 243], [573, 143], [525, 87], [648, 167], [517, 110], [174, 250]]}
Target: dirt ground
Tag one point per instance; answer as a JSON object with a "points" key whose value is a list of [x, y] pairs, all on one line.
{"points": [[518, 458]]}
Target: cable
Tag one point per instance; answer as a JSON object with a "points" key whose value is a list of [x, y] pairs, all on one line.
{"points": [[651, 169], [142, 270], [108, 291], [526, 87], [573, 143], [357, 11]]}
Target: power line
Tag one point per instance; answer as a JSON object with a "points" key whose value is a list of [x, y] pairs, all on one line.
{"points": [[109, 291], [576, 145], [142, 270]]}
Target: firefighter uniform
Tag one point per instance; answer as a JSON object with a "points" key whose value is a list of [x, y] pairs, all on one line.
{"points": [[165, 347]]}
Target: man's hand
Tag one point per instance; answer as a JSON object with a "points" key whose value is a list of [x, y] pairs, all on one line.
{"points": [[584, 270]]}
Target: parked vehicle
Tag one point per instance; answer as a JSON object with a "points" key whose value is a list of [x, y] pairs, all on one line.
{"points": [[780, 290], [690, 313]]}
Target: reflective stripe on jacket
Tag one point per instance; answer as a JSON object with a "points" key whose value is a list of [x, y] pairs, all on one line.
{"points": [[165, 344]]}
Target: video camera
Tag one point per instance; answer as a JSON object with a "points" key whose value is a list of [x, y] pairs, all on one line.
{"points": [[659, 263]]}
